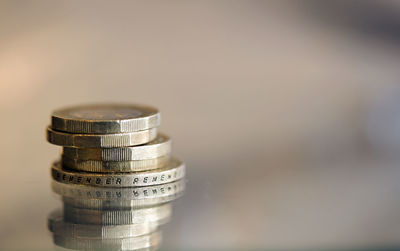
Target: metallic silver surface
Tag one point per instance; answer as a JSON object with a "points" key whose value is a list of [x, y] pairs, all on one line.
{"points": [[98, 204], [105, 118], [175, 170], [127, 193], [158, 147], [118, 244], [159, 214], [100, 140], [58, 226], [99, 166], [116, 177]]}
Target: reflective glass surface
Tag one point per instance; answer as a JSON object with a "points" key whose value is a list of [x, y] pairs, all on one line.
{"points": [[286, 114]]}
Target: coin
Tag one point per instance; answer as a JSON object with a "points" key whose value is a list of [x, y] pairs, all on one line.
{"points": [[118, 244], [105, 118], [125, 193], [159, 214], [101, 140], [99, 166], [158, 147], [174, 170], [98, 204], [58, 226], [121, 204]]}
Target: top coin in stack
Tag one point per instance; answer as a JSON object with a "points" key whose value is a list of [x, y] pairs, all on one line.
{"points": [[103, 125], [105, 119]]}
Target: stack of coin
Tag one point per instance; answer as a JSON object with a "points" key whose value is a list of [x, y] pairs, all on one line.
{"points": [[112, 145], [116, 177]]}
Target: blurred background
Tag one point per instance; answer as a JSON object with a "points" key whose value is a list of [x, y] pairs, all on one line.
{"points": [[287, 113]]}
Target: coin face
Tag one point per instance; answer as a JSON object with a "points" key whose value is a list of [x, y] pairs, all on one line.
{"points": [[104, 112], [105, 118]]}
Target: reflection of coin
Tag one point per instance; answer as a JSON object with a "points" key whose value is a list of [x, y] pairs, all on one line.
{"points": [[101, 140], [159, 214], [174, 170], [118, 244], [117, 204], [99, 166], [160, 146], [58, 226], [118, 198], [105, 118], [126, 193]]}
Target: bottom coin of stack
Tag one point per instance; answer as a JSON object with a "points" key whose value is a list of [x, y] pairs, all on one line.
{"points": [[96, 218]]}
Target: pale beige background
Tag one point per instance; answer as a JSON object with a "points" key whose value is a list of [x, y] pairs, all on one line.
{"points": [[267, 105]]}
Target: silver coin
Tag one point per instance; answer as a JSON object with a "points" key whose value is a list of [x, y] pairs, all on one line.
{"points": [[81, 192], [99, 166], [105, 118], [58, 226], [158, 147], [159, 214], [100, 198], [97, 204], [175, 170], [100, 140], [118, 244]]}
